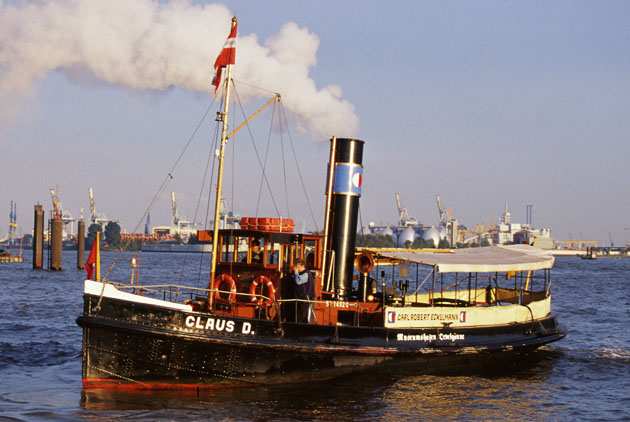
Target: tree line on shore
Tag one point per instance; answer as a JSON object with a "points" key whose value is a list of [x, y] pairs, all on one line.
{"points": [[112, 239]]}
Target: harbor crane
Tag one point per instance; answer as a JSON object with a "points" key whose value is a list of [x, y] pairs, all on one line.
{"points": [[179, 222], [59, 213], [57, 209], [13, 223], [404, 220], [147, 225], [441, 210], [612, 244], [11, 237], [95, 216], [175, 220], [447, 222], [228, 219]]}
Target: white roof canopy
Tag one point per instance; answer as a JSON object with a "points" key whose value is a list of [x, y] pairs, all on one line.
{"points": [[480, 260]]}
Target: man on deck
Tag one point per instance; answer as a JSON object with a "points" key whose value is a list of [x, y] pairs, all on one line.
{"points": [[304, 290]]}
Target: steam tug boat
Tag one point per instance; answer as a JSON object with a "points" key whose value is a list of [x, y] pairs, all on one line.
{"points": [[409, 310]]}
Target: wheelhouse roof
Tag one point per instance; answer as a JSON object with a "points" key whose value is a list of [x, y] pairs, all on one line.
{"points": [[480, 260], [205, 236]]}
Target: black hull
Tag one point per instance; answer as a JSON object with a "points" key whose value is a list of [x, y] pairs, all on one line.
{"points": [[131, 345]]}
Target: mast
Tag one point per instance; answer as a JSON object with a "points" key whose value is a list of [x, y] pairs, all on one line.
{"points": [[217, 210]]}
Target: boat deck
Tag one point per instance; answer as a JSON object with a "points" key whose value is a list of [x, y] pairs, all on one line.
{"points": [[11, 258]]}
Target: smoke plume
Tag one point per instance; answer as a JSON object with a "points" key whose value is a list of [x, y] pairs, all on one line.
{"points": [[150, 45]]}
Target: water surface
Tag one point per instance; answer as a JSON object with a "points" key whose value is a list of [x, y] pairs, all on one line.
{"points": [[586, 376]]}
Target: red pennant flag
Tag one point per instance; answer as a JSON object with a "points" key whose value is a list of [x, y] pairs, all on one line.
{"points": [[226, 57], [91, 261]]}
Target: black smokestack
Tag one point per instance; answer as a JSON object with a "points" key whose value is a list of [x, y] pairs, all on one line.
{"points": [[347, 158]]}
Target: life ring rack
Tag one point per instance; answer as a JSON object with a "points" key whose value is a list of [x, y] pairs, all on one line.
{"points": [[232, 281], [271, 290], [268, 224]]}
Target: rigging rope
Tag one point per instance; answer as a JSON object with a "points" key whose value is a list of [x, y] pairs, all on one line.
{"points": [[283, 123], [201, 190], [169, 177], [308, 201], [161, 189], [273, 113], [159, 192], [253, 86], [284, 168], [257, 155]]}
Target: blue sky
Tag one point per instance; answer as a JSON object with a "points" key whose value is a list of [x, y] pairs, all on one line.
{"points": [[482, 102]]}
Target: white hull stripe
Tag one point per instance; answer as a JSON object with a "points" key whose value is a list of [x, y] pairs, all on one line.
{"points": [[96, 288]]}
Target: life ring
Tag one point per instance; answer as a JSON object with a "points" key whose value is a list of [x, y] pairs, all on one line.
{"points": [[271, 290], [233, 287]]}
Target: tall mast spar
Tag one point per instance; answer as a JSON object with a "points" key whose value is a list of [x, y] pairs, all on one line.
{"points": [[217, 210]]}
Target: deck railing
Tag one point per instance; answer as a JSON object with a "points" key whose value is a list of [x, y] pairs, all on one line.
{"points": [[327, 311]]}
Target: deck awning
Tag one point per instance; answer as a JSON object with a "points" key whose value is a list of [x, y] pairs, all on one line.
{"points": [[480, 260]]}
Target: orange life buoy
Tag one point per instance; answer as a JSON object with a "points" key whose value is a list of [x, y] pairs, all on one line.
{"points": [[271, 290], [233, 287]]}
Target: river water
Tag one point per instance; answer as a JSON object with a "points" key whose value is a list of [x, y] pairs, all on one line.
{"points": [[586, 376]]}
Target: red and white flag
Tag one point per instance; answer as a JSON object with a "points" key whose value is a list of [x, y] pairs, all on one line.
{"points": [[226, 57], [91, 261]]}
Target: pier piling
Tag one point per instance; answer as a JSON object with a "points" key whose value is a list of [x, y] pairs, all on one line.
{"points": [[56, 244], [81, 245], [38, 237]]}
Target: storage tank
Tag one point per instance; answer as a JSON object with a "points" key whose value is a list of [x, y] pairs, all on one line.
{"points": [[432, 234], [407, 235], [443, 233], [387, 231]]}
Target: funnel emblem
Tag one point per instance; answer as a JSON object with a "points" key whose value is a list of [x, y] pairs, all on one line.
{"points": [[357, 179], [348, 179], [391, 317]]}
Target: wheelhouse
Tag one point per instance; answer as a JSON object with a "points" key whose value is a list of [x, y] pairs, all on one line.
{"points": [[249, 288]]}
